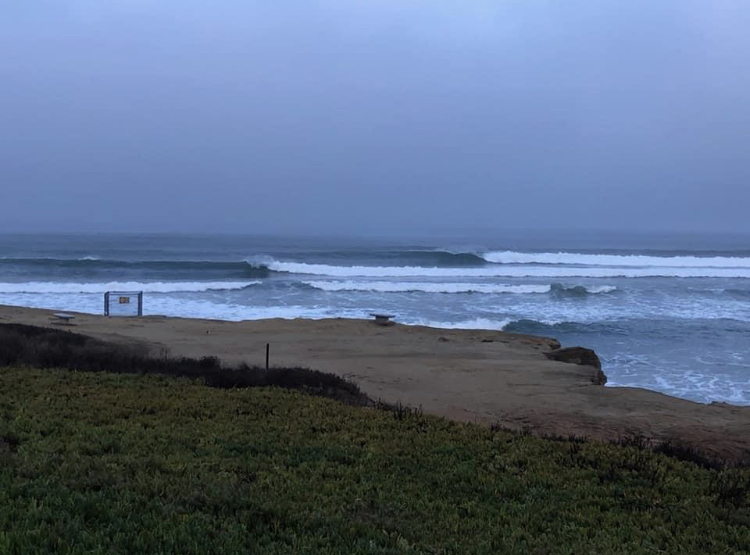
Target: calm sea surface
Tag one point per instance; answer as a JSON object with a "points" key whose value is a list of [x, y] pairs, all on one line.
{"points": [[670, 314]]}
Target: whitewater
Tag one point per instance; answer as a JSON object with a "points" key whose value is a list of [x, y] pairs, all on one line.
{"points": [[674, 320], [507, 271]]}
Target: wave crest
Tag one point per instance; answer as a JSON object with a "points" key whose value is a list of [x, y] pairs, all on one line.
{"points": [[228, 268], [423, 287], [153, 287], [560, 290], [615, 260], [474, 324], [508, 271], [456, 288]]}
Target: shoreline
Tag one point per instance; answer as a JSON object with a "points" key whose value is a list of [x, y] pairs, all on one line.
{"points": [[484, 376]]}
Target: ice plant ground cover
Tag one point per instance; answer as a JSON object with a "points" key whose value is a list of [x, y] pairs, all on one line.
{"points": [[121, 463]]}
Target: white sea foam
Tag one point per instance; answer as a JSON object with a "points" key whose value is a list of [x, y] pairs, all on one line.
{"points": [[638, 261], [597, 289], [473, 324], [236, 312], [501, 271], [425, 287], [148, 287], [702, 387]]}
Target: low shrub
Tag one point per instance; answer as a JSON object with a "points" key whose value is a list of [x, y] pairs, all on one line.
{"points": [[51, 348]]}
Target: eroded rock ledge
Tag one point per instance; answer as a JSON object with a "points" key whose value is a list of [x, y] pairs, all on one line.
{"points": [[582, 356]]}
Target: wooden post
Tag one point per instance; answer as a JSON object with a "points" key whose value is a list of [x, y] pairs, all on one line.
{"points": [[268, 350]]}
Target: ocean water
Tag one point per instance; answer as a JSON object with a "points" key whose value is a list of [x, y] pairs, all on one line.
{"points": [[671, 314]]}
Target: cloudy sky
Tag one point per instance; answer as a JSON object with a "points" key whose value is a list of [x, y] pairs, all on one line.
{"points": [[353, 116]]}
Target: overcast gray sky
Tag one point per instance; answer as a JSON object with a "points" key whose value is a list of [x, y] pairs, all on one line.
{"points": [[329, 116]]}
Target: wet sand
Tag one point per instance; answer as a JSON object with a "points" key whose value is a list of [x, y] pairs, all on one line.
{"points": [[469, 375]]}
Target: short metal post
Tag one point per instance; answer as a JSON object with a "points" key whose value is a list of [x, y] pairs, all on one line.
{"points": [[268, 351]]}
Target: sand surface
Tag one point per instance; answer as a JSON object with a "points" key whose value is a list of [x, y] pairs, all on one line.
{"points": [[470, 375]]}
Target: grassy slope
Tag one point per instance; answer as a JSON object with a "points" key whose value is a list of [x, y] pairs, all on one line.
{"points": [[107, 463]]}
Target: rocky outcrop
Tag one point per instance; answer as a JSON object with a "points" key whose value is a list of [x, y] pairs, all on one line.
{"points": [[582, 356]]}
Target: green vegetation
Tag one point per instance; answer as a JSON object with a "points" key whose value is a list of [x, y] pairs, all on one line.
{"points": [[22, 345], [123, 463]]}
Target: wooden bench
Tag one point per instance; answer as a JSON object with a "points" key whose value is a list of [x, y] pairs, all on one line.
{"points": [[64, 317], [383, 319]]}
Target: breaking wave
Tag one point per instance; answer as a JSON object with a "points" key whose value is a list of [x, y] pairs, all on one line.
{"points": [[474, 324], [442, 257], [561, 290], [497, 271], [414, 264], [553, 328], [636, 261], [482, 288], [417, 287]]}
